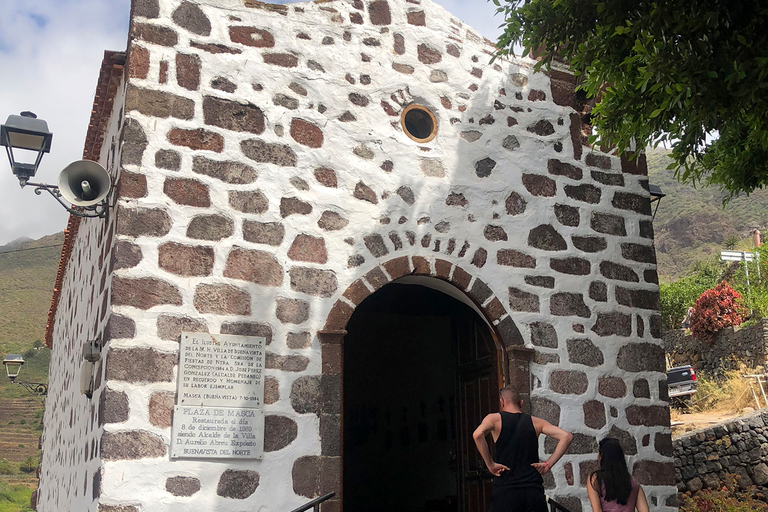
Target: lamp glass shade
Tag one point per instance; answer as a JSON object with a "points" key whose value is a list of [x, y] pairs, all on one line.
{"points": [[12, 363], [20, 132]]}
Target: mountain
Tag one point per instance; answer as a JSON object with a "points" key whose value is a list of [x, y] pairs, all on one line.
{"points": [[692, 224], [27, 274]]}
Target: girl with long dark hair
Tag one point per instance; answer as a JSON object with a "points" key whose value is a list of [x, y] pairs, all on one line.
{"points": [[611, 488]]}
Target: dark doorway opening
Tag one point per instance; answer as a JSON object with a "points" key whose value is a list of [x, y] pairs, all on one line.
{"points": [[420, 371]]}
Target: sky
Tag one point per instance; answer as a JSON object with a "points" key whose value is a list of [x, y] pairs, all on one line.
{"points": [[50, 56]]}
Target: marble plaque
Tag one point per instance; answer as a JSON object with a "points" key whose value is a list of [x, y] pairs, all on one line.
{"points": [[217, 433], [221, 370]]}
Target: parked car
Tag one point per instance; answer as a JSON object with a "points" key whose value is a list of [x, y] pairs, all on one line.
{"points": [[681, 383]]}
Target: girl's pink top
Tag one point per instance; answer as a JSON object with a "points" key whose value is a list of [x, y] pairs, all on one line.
{"points": [[613, 506]]}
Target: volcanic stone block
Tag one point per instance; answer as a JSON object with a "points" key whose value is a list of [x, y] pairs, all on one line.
{"points": [[252, 36], [248, 201], [188, 71], [185, 260], [520, 300], [594, 414], [332, 221], [291, 311], [547, 238], [568, 382], [546, 410], [515, 204], [192, 18], [308, 248], [541, 281], [306, 133], [572, 266], [558, 168], [626, 440], [210, 227], [598, 291], [279, 432], [589, 243], [568, 304], [583, 351], [641, 389], [255, 266], [134, 142], [305, 395], [365, 193], [144, 293], [237, 484], [638, 252], [283, 60], [155, 34], [132, 445], [226, 171], [641, 357], [120, 327], [294, 206], [268, 153], [165, 159], [567, 215], [619, 272], [222, 299], [170, 327], [543, 335], [612, 387], [608, 223], [161, 408], [539, 185], [200, 139], [585, 193], [126, 255], [613, 323], [312, 281], [632, 202], [158, 104], [113, 407], [248, 329], [182, 485]]}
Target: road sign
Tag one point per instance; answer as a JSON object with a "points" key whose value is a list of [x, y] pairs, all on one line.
{"points": [[736, 256]]}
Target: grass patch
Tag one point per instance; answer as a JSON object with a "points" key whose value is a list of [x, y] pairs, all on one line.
{"points": [[14, 498], [725, 396]]}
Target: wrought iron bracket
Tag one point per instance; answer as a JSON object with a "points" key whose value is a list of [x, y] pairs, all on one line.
{"points": [[36, 388], [96, 211]]}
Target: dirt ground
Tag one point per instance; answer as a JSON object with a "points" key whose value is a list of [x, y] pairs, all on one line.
{"points": [[683, 423]]}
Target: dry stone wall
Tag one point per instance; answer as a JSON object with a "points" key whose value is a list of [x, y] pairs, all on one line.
{"points": [[268, 187], [731, 347], [708, 457]]}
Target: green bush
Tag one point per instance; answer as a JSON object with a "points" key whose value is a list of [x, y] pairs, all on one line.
{"points": [[8, 468]]}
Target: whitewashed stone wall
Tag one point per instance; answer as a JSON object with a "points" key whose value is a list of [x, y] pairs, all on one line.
{"points": [[267, 188], [70, 477]]}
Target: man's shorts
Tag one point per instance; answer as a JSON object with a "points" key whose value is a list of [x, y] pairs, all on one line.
{"points": [[518, 499]]}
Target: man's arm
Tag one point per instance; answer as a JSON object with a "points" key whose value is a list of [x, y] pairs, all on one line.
{"points": [[563, 441], [486, 427]]}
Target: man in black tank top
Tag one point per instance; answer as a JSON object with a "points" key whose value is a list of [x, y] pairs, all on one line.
{"points": [[518, 485]]}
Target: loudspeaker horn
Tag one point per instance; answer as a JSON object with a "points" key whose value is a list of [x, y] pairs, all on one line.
{"points": [[84, 183]]}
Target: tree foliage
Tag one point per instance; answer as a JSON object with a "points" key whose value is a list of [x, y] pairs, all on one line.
{"points": [[716, 309], [678, 296], [673, 71]]}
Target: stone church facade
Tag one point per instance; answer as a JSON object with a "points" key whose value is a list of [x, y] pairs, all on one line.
{"points": [[268, 182]]}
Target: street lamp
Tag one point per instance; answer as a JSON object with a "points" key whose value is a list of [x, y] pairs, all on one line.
{"points": [[84, 183], [12, 363]]}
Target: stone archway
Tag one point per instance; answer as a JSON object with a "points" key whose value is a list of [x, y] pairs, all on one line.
{"points": [[507, 337]]}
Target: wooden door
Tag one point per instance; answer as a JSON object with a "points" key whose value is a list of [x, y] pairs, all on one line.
{"points": [[478, 381]]}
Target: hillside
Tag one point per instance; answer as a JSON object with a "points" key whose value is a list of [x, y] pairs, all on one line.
{"points": [[27, 274], [692, 224]]}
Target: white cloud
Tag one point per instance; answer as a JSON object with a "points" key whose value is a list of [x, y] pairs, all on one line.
{"points": [[50, 56]]}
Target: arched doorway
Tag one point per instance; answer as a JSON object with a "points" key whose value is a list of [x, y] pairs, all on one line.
{"points": [[421, 369]]}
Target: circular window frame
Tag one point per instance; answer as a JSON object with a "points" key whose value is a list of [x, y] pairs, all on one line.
{"points": [[422, 108]]}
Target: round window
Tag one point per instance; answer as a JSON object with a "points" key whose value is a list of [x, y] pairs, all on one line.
{"points": [[419, 123]]}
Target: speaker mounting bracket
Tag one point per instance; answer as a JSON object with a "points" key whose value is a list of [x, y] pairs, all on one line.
{"points": [[96, 211]]}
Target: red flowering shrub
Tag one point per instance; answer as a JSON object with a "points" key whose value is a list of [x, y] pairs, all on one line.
{"points": [[715, 309]]}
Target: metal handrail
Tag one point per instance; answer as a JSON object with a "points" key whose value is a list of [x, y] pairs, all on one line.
{"points": [[315, 503], [555, 506]]}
